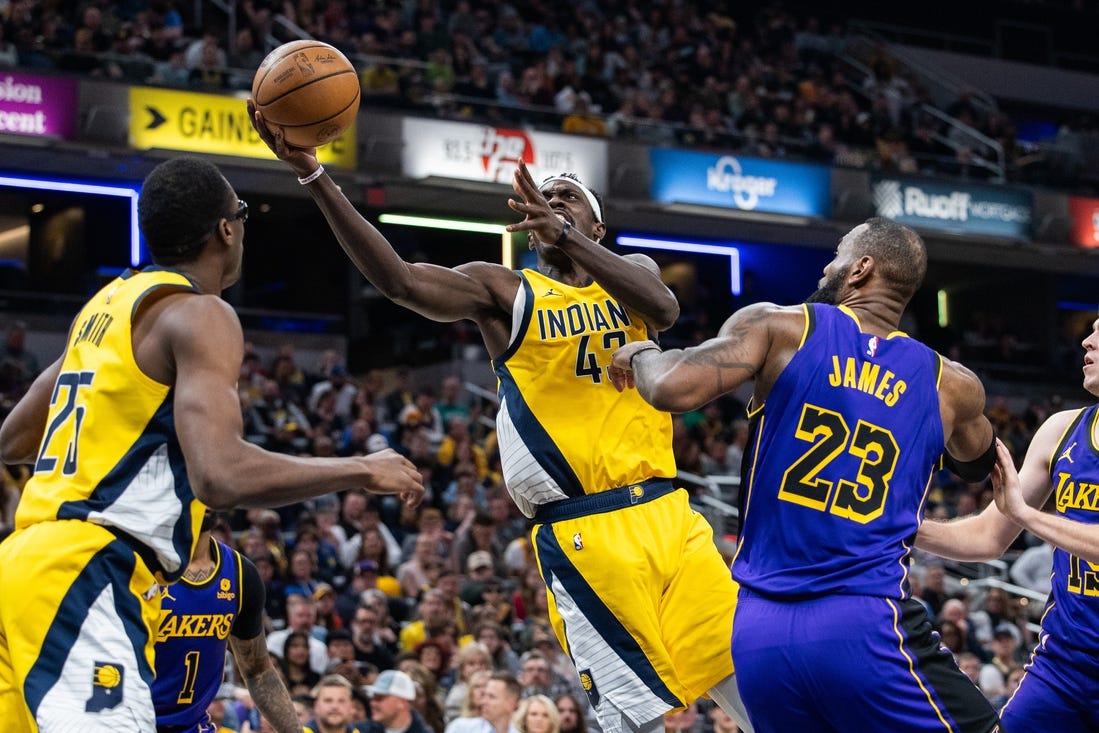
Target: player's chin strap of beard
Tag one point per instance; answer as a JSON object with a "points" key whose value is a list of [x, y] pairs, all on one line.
{"points": [[596, 209]]}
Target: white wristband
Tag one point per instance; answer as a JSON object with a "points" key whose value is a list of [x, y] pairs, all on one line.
{"points": [[312, 176]]}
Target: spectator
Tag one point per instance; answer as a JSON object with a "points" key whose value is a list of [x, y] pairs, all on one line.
{"points": [[373, 643], [295, 663], [300, 617], [537, 714], [1006, 639], [332, 707], [1033, 568], [391, 699], [572, 717], [498, 707], [468, 660]]}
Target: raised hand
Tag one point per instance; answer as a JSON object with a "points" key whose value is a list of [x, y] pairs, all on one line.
{"points": [[540, 219], [1006, 489], [302, 160]]}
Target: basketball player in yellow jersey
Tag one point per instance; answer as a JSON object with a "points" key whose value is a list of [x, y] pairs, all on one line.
{"points": [[131, 431], [639, 595]]}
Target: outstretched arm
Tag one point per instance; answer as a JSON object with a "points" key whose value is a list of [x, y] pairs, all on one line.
{"points": [[439, 293], [633, 280], [1075, 538], [985, 536], [227, 471], [685, 379]]}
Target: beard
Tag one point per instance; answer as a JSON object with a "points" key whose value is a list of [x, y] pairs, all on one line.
{"points": [[829, 291]]}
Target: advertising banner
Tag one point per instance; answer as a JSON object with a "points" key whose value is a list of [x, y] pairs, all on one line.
{"points": [[748, 184], [212, 123], [1085, 221], [963, 209], [484, 153], [42, 106]]}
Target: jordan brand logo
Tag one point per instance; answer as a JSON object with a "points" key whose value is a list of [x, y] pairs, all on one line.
{"points": [[1068, 453]]}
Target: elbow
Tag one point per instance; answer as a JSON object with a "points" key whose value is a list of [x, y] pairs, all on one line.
{"points": [[666, 317], [217, 493], [665, 395]]}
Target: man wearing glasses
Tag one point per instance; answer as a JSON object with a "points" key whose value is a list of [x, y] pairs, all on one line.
{"points": [[131, 431]]}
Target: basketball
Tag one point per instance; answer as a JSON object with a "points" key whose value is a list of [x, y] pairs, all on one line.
{"points": [[309, 89]]}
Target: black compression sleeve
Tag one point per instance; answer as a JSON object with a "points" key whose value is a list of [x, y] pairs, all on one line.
{"points": [[976, 470], [253, 597]]}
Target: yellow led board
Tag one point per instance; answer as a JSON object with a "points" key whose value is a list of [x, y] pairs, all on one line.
{"points": [[211, 123]]}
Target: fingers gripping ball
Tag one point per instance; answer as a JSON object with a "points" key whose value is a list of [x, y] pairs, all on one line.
{"points": [[309, 89]]}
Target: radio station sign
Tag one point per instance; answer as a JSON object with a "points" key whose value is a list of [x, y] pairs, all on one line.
{"points": [[42, 106], [984, 210], [1085, 221], [212, 123], [748, 184], [491, 154]]}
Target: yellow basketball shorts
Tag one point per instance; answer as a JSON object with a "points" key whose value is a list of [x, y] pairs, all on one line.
{"points": [[78, 610], [639, 597]]}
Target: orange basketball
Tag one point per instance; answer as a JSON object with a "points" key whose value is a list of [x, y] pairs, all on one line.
{"points": [[308, 88]]}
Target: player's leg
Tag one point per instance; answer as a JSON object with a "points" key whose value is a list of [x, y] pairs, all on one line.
{"points": [[82, 642], [727, 697], [1055, 694], [13, 709], [605, 573]]}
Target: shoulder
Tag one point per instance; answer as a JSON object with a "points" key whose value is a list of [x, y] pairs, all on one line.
{"points": [[963, 388], [1050, 432], [644, 260]]}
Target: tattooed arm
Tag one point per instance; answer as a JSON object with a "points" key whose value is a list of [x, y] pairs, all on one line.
{"points": [[249, 645], [686, 379], [264, 683]]}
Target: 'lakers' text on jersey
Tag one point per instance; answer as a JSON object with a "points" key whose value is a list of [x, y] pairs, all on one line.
{"points": [[848, 459], [1072, 614], [110, 454], [563, 429]]}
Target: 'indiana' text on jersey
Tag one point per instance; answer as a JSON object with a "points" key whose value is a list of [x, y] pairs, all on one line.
{"points": [[1072, 613], [563, 429], [110, 454], [838, 470]]}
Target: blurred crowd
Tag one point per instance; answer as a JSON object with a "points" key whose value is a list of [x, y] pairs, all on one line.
{"points": [[449, 592], [763, 82]]}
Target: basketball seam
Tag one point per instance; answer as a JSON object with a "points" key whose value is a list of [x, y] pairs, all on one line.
{"points": [[326, 119], [258, 82], [308, 83]]}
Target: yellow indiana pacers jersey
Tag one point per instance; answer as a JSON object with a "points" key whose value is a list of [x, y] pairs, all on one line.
{"points": [[563, 429], [110, 454]]}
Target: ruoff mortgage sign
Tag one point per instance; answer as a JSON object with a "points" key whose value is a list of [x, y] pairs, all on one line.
{"points": [[985, 210]]}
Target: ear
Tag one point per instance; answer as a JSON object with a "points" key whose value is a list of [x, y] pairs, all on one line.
{"points": [[598, 231], [861, 271], [225, 230]]}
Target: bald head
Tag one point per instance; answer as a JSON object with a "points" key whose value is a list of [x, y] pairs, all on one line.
{"points": [[899, 253]]}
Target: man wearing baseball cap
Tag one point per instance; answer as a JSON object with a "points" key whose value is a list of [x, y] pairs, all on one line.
{"points": [[391, 698]]}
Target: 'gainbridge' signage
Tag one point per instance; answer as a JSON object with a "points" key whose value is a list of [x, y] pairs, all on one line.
{"points": [[211, 123], [747, 184], [985, 210]]}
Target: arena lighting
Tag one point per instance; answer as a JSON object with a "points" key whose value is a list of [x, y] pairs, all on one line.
{"points": [[456, 225], [45, 184], [675, 246], [944, 308]]}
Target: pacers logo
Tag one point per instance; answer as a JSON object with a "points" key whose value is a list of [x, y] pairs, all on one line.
{"points": [[636, 494], [107, 678], [588, 683]]}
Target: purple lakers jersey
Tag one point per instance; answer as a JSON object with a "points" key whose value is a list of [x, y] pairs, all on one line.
{"points": [[838, 463], [1073, 611], [196, 620]]}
